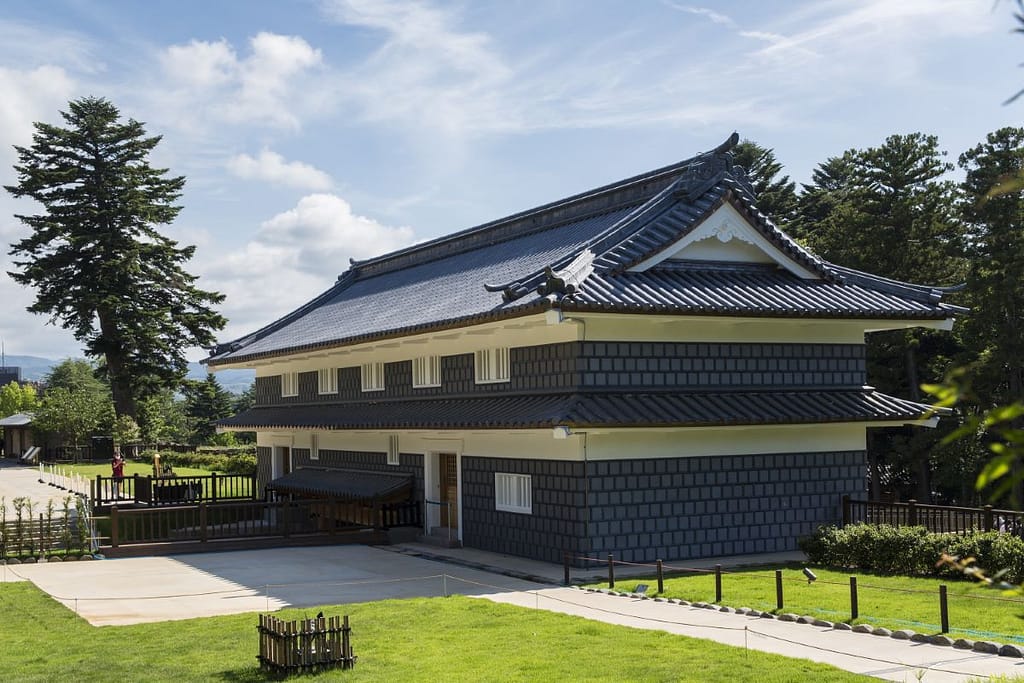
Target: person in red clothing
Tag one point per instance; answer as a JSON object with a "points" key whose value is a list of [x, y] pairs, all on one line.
{"points": [[117, 467]]}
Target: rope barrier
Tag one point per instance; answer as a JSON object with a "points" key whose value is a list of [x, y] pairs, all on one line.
{"points": [[771, 576]]}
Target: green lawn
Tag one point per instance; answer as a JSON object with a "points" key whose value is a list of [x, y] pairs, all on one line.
{"points": [[975, 613], [131, 468], [428, 639]]}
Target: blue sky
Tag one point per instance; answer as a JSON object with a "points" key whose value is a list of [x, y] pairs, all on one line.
{"points": [[314, 131]]}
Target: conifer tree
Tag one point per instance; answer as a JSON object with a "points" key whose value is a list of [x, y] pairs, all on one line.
{"points": [[99, 266], [775, 192]]}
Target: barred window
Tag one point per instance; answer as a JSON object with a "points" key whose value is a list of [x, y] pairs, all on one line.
{"points": [[513, 493], [373, 376], [290, 384], [426, 371], [394, 457], [314, 447], [492, 365], [327, 380]]}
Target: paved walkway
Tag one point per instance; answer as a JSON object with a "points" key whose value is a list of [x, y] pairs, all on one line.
{"points": [[21, 481], [186, 586]]}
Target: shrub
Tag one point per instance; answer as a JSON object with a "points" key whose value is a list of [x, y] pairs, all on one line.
{"points": [[912, 551], [239, 462]]}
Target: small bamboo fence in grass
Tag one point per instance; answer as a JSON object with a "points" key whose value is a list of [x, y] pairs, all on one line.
{"points": [[304, 645]]}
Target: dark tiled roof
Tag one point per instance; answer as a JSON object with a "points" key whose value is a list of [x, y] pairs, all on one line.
{"points": [[724, 289], [577, 253], [341, 484], [701, 409]]}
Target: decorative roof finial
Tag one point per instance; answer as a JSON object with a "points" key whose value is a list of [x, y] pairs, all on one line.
{"points": [[706, 170]]}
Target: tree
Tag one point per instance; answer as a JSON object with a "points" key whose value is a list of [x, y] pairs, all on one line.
{"points": [[995, 282], [887, 210], [17, 398], [206, 402], [75, 374], [775, 193], [98, 265], [73, 415], [125, 431]]}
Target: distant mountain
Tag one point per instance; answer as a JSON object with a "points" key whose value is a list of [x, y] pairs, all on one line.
{"points": [[235, 381], [34, 368]]}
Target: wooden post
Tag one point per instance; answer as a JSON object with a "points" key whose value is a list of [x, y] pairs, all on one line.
{"points": [[611, 571], [565, 567], [911, 512], [854, 608], [778, 587], [718, 583], [943, 609], [846, 509], [988, 522], [202, 522], [213, 487], [661, 578], [113, 527]]}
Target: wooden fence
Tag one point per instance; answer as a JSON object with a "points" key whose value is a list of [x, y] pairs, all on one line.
{"points": [[43, 536], [936, 518], [204, 522], [304, 645], [152, 491]]}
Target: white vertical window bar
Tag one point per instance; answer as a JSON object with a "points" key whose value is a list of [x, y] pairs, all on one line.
{"points": [[394, 457], [314, 447]]}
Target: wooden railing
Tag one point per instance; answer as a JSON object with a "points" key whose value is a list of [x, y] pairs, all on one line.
{"points": [[936, 518], [148, 490], [252, 519]]}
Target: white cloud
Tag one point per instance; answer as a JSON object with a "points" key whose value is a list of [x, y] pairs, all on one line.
{"points": [[29, 95], [294, 256], [269, 86], [272, 167]]}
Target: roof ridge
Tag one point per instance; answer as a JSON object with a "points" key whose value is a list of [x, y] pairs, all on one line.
{"points": [[634, 190]]}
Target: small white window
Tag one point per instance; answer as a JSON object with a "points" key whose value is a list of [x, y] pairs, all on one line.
{"points": [[373, 376], [426, 371], [290, 384], [393, 454], [492, 365], [513, 493], [327, 380], [314, 447]]}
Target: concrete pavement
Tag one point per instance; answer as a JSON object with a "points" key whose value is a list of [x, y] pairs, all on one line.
{"points": [[21, 481], [147, 589]]}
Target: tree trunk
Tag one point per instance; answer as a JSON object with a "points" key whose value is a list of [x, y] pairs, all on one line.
{"points": [[120, 385]]}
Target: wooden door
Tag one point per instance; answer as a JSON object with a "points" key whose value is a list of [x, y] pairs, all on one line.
{"points": [[449, 490]]}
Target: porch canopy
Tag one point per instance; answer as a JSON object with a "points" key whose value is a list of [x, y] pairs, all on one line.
{"points": [[344, 485]]}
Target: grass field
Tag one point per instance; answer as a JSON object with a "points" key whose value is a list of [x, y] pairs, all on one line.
{"points": [[427, 639], [90, 470], [975, 613]]}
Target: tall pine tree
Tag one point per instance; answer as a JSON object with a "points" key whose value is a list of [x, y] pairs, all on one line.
{"points": [[995, 283], [99, 266], [887, 210]]}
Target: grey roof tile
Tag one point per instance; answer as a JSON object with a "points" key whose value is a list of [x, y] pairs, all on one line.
{"points": [[576, 253], [697, 409]]}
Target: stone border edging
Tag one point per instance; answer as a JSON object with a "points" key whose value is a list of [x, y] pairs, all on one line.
{"points": [[981, 646]]}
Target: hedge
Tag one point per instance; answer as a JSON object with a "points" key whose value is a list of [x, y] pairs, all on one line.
{"points": [[913, 551], [241, 463]]}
